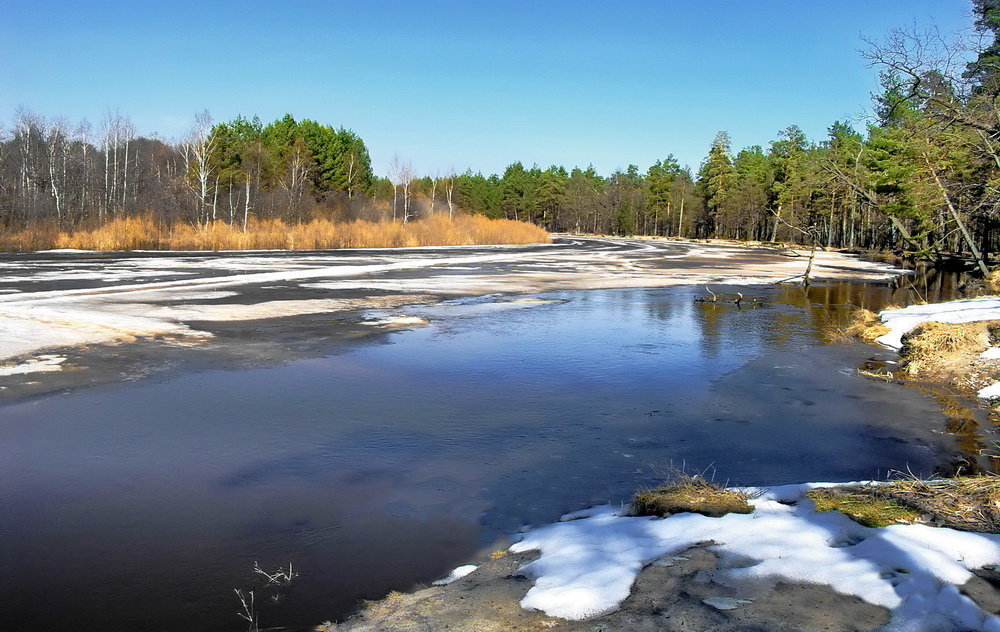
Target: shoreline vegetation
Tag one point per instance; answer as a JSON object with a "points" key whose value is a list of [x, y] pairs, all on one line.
{"points": [[954, 343], [145, 232], [905, 554]]}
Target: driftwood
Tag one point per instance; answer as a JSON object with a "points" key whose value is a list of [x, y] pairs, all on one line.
{"points": [[739, 301]]}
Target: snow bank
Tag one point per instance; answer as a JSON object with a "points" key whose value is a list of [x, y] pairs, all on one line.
{"points": [[587, 566], [901, 321], [990, 392]]}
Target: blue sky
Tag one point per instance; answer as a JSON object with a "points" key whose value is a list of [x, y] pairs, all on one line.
{"points": [[464, 83]]}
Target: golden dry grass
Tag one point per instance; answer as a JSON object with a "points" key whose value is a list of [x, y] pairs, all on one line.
{"points": [[992, 281], [690, 494], [942, 350], [144, 233], [863, 505], [967, 503], [865, 324]]}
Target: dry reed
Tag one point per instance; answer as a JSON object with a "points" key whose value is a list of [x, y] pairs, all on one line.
{"points": [[145, 233], [865, 324], [934, 349]]}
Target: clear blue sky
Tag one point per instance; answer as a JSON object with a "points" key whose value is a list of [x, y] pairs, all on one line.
{"points": [[463, 83]]}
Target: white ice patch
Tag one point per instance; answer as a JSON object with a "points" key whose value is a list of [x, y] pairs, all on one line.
{"points": [[38, 364], [990, 392], [993, 353], [397, 321], [30, 321], [109, 275], [456, 574], [587, 566], [901, 321]]}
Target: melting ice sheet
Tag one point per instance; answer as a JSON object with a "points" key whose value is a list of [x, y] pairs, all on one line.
{"points": [[587, 565]]}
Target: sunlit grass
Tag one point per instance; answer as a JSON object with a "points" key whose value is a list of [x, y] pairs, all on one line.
{"points": [[145, 233]]}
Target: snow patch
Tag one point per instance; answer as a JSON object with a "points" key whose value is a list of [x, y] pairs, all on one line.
{"points": [[587, 566], [901, 321], [38, 364], [397, 321], [456, 574], [993, 353], [990, 392]]}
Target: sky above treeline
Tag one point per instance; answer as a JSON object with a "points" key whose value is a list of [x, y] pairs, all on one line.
{"points": [[464, 84]]}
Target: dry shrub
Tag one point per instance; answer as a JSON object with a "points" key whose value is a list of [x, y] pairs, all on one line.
{"points": [[942, 350], [121, 233], [866, 325], [38, 237], [691, 494], [143, 232]]}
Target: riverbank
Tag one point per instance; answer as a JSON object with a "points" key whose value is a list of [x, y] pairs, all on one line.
{"points": [[783, 566], [956, 343]]}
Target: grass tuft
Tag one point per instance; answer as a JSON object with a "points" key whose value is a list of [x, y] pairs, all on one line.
{"points": [[694, 494], [966, 503], [865, 325], [865, 506], [942, 350]]}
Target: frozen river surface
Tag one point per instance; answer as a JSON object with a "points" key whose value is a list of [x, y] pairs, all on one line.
{"points": [[375, 461]]}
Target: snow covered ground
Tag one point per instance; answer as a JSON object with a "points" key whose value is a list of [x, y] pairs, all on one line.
{"points": [[903, 320], [900, 321], [61, 299], [590, 560]]}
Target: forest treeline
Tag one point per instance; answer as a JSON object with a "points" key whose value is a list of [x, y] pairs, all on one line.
{"points": [[923, 177]]}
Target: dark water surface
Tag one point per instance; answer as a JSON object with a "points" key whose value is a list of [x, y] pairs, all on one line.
{"points": [[142, 505]]}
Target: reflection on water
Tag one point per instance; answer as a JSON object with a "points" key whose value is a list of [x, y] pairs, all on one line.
{"points": [[141, 506]]}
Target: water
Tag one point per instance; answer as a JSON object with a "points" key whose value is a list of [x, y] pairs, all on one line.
{"points": [[141, 506]]}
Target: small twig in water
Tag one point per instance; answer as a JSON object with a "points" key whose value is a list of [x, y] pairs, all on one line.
{"points": [[280, 576], [249, 612]]}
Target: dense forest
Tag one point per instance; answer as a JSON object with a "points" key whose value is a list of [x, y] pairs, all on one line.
{"points": [[923, 176]]}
